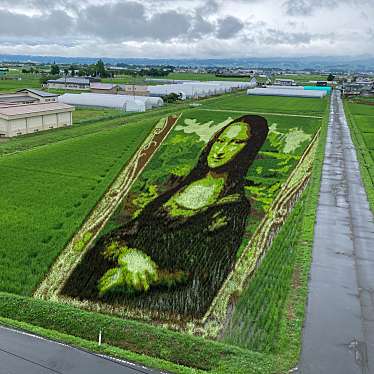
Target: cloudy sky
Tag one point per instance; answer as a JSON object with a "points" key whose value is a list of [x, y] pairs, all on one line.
{"points": [[187, 28]]}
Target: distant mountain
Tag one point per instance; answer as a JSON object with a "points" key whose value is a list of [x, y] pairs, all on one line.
{"points": [[343, 63]]}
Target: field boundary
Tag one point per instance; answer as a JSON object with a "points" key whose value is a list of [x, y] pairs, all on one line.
{"points": [[261, 241], [79, 244], [262, 113], [365, 159]]}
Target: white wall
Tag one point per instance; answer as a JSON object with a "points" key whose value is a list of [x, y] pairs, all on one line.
{"points": [[35, 123], [63, 119], [3, 127]]}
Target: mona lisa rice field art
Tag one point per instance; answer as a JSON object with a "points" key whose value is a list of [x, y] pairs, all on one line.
{"points": [[191, 218]]}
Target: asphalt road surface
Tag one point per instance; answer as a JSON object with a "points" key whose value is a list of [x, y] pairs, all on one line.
{"points": [[338, 336], [22, 353]]}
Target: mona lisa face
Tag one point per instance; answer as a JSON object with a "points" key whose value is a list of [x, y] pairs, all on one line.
{"points": [[231, 141]]}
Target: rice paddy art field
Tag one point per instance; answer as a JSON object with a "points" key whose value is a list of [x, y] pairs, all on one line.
{"points": [[287, 140], [199, 265]]}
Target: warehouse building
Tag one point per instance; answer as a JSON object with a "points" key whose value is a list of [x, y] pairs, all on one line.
{"points": [[133, 90], [105, 88], [40, 96], [71, 83], [19, 119], [28, 96]]}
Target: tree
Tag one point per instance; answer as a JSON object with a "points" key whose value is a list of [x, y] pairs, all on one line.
{"points": [[331, 77], [55, 70], [100, 69], [171, 98], [72, 70], [66, 71]]}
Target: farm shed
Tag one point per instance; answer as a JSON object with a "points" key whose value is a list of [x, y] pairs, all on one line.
{"points": [[133, 89], [105, 88], [28, 96], [285, 92], [41, 96], [284, 82], [25, 119], [71, 83], [17, 98]]}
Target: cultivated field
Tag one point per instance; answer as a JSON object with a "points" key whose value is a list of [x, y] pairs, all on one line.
{"points": [[25, 81], [48, 192], [55, 179], [272, 104]]}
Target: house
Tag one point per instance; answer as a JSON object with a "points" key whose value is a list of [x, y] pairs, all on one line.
{"points": [[133, 90], [19, 119], [105, 88], [358, 88], [71, 83]]}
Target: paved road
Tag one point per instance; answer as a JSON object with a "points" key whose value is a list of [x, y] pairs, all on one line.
{"points": [[338, 335], [22, 353]]}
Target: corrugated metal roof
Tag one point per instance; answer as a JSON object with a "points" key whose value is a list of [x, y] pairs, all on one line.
{"points": [[38, 92], [102, 86], [17, 110], [70, 80]]}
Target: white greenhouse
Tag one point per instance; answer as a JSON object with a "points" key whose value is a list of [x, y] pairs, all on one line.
{"points": [[284, 92], [197, 89], [124, 102]]}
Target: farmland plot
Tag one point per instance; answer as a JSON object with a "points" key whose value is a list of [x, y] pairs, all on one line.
{"points": [[47, 193], [188, 218], [269, 104]]}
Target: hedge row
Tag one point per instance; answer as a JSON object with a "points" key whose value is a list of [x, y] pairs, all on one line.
{"points": [[134, 336]]}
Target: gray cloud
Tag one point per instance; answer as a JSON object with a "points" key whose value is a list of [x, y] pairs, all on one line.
{"points": [[185, 27], [309, 7], [129, 21], [51, 24], [228, 27]]}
